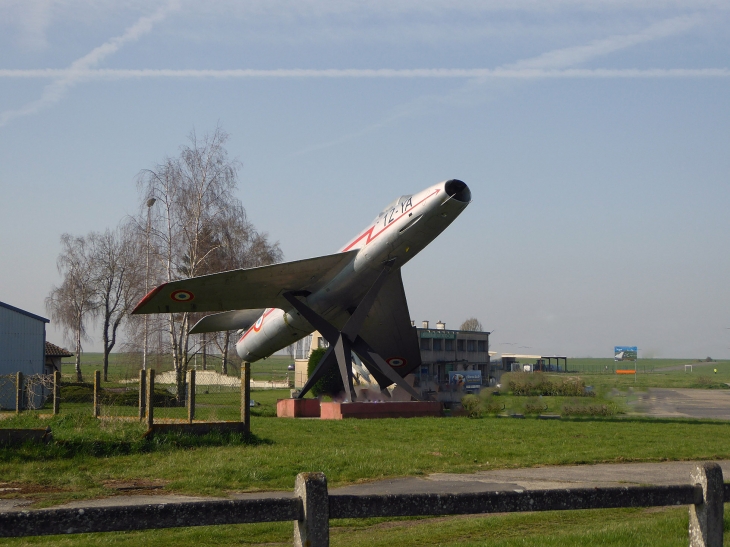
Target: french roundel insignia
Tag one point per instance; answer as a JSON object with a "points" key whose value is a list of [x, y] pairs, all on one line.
{"points": [[257, 325], [182, 296], [396, 362]]}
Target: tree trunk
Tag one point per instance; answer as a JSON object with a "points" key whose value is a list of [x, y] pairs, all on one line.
{"points": [[205, 352], [79, 377], [226, 340]]}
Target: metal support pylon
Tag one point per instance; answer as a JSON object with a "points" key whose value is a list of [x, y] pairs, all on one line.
{"points": [[343, 342]]}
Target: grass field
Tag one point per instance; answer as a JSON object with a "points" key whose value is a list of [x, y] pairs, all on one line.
{"points": [[90, 456]]}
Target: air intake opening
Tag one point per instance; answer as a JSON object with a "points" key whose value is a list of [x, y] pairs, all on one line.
{"points": [[459, 190]]}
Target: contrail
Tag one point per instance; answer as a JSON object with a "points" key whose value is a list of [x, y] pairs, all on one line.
{"points": [[76, 74], [67, 78]]}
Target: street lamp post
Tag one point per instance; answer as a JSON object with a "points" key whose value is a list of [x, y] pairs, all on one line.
{"points": [[150, 203]]}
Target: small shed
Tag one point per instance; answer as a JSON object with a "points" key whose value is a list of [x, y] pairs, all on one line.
{"points": [[54, 354]]}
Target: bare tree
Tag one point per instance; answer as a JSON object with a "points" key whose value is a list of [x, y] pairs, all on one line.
{"points": [[471, 324], [74, 302], [195, 221], [117, 274]]}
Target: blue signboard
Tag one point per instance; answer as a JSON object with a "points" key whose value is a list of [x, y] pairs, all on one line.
{"points": [[465, 379], [625, 353]]}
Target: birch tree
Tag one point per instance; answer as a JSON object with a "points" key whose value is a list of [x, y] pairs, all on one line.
{"points": [[74, 303], [195, 208], [117, 275]]}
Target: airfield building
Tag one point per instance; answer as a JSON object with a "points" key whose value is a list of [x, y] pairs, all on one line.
{"points": [[22, 348]]}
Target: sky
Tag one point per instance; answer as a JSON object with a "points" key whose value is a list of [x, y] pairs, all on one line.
{"points": [[594, 135]]}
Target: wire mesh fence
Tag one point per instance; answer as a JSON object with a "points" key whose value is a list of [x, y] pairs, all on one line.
{"points": [[35, 392]]}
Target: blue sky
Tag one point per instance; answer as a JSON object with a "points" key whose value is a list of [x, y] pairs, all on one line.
{"points": [[595, 137]]}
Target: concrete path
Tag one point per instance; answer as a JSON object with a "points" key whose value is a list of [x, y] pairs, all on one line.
{"points": [[570, 476], [685, 403]]}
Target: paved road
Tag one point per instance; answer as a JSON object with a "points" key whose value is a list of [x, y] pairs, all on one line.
{"points": [[571, 476], [685, 403]]}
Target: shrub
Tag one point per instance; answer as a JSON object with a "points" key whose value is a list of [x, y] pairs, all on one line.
{"points": [[329, 384], [577, 409], [472, 405], [535, 406], [537, 383]]}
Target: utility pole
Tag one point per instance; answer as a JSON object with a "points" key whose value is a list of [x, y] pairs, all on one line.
{"points": [[150, 203]]}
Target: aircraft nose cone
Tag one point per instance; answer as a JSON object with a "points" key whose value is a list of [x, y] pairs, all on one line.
{"points": [[458, 189]]}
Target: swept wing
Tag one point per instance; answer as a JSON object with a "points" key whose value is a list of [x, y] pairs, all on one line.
{"points": [[244, 289]]}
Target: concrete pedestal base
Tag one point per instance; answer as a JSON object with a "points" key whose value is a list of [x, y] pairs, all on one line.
{"points": [[297, 408], [338, 411]]}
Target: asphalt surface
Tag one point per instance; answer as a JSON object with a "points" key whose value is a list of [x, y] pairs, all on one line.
{"points": [[685, 403], [542, 478]]}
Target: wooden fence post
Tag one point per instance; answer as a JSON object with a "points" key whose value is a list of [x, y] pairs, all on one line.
{"points": [[56, 392], [313, 530], [246, 397], [97, 388], [142, 394], [150, 398], [706, 519], [18, 392], [191, 397]]}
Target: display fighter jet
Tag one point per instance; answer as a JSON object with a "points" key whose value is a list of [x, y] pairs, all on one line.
{"points": [[354, 298]]}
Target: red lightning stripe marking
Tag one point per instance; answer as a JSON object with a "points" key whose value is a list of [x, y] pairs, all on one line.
{"points": [[369, 232], [251, 328]]}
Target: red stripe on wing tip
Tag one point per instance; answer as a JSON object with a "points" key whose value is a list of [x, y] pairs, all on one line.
{"points": [[147, 298]]}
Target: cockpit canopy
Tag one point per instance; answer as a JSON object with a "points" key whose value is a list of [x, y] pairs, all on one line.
{"points": [[392, 205]]}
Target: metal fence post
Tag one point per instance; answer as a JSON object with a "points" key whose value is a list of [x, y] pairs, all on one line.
{"points": [[150, 398], [246, 396], [706, 519], [142, 394], [56, 392], [18, 392], [97, 388], [313, 528], [191, 397]]}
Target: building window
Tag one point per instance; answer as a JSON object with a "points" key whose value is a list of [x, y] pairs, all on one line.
{"points": [[460, 345], [449, 345], [425, 343], [482, 345], [470, 345], [436, 345]]}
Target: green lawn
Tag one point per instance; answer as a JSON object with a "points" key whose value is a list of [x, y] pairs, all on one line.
{"points": [[88, 455]]}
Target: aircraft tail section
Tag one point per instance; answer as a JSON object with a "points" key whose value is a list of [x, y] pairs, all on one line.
{"points": [[387, 329], [227, 320]]}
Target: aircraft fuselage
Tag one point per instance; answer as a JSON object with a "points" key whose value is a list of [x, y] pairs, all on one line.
{"points": [[401, 230]]}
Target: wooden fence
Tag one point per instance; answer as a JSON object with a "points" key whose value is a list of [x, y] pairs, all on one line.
{"points": [[312, 507]]}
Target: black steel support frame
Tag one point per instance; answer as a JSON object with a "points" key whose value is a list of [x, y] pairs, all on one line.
{"points": [[343, 342]]}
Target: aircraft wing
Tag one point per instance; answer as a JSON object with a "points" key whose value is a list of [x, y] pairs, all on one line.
{"points": [[227, 320], [387, 329], [244, 289]]}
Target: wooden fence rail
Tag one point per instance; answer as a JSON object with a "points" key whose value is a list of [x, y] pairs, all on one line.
{"points": [[312, 507]]}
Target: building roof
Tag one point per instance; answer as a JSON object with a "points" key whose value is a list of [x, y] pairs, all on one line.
{"points": [[13, 308], [52, 350]]}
